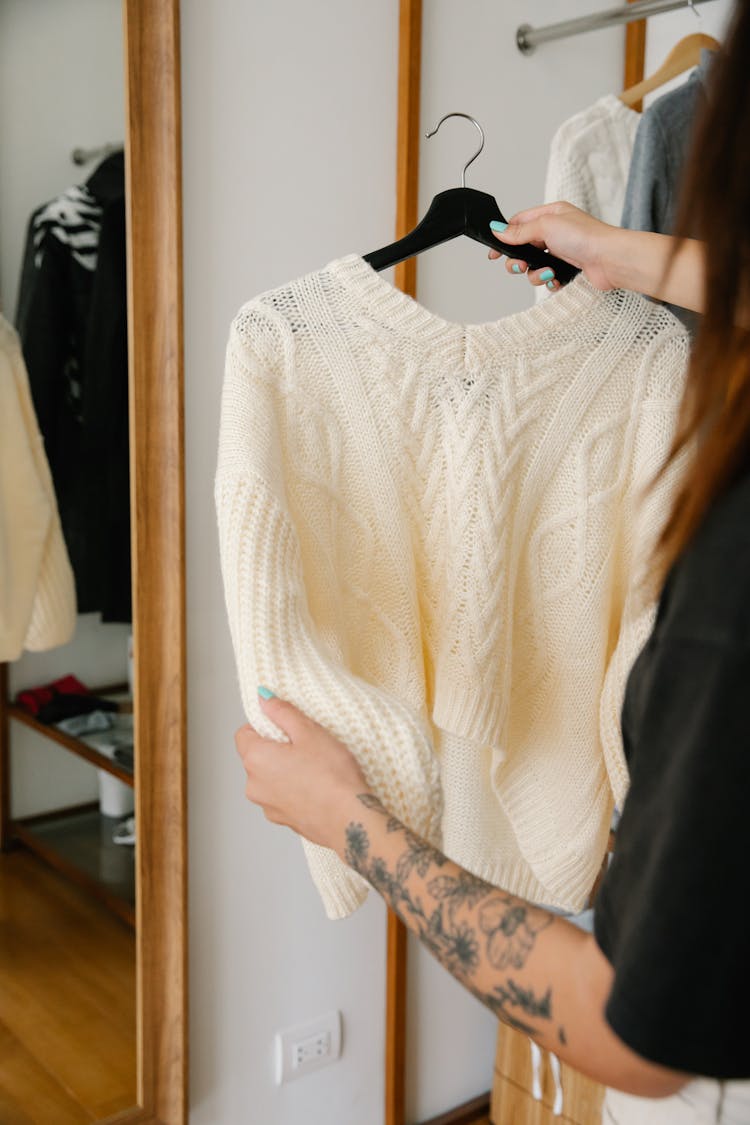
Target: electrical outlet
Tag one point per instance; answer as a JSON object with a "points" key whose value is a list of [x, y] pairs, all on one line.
{"points": [[308, 1046]]}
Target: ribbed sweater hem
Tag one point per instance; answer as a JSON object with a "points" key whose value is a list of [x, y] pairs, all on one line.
{"points": [[341, 889], [514, 875], [466, 714]]}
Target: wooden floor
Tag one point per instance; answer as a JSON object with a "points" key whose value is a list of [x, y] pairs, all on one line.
{"points": [[67, 1000]]}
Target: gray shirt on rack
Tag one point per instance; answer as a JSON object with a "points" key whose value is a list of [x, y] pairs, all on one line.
{"points": [[661, 146]]}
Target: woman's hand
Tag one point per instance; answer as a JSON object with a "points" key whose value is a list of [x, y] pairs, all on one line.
{"points": [[569, 233], [611, 258], [308, 783]]}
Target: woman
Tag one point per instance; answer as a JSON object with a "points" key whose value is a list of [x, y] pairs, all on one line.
{"points": [[655, 1004]]}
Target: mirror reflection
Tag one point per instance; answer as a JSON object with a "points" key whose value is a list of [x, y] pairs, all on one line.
{"points": [[67, 858]]}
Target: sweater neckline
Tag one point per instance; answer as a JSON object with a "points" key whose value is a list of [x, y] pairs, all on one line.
{"points": [[614, 107], [400, 311]]}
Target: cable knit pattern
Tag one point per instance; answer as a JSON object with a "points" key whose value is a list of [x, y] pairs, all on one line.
{"points": [[37, 591], [430, 537]]}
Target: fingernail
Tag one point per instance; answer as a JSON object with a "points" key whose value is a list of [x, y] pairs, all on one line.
{"points": [[550, 285], [545, 275], [516, 268], [265, 692], [497, 225]]}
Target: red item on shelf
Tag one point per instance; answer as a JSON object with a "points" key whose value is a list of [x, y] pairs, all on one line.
{"points": [[33, 699]]}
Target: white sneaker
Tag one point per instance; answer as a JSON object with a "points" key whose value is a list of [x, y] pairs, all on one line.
{"points": [[125, 832]]}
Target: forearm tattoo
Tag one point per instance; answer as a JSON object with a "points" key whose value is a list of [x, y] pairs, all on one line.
{"points": [[506, 931]]}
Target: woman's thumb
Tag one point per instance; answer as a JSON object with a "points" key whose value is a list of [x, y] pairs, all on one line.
{"points": [[506, 232], [283, 713]]}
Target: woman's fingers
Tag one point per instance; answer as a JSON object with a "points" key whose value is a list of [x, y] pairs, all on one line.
{"points": [[514, 233], [294, 723], [531, 214], [516, 265], [244, 737], [544, 276]]}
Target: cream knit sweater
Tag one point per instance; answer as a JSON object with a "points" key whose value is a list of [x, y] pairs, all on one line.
{"points": [[37, 591], [589, 158], [429, 538], [589, 161]]}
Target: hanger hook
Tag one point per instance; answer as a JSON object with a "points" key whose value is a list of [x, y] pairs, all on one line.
{"points": [[468, 117]]}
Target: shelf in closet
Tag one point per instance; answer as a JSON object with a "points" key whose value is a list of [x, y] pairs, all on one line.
{"points": [[76, 745], [77, 841]]}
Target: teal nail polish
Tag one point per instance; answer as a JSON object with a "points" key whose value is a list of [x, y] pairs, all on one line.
{"points": [[497, 225], [550, 285], [265, 692], [516, 268], [545, 275]]}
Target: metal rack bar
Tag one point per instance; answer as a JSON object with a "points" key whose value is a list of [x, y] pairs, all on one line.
{"points": [[527, 37]]}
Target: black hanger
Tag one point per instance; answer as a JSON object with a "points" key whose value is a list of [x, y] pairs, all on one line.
{"points": [[465, 211]]}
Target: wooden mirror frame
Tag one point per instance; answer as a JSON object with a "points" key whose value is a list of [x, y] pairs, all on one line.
{"points": [[155, 359], [155, 348]]}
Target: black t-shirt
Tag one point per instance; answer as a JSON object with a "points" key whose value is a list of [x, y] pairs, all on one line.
{"points": [[673, 915]]}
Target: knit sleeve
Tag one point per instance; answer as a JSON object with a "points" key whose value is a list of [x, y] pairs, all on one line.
{"points": [[37, 576], [645, 509], [53, 614], [273, 632]]}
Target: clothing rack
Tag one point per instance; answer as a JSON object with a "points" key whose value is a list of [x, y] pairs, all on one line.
{"points": [[527, 37], [86, 155]]}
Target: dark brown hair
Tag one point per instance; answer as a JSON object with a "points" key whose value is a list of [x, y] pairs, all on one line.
{"points": [[715, 208]]}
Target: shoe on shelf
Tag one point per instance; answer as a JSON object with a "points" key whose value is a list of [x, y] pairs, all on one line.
{"points": [[125, 832]]}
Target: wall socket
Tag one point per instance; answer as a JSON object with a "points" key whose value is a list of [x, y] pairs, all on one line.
{"points": [[307, 1047]]}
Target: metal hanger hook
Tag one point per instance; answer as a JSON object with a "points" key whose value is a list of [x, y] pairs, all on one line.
{"points": [[473, 120]]}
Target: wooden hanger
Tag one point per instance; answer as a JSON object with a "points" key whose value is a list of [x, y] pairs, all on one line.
{"points": [[682, 57]]}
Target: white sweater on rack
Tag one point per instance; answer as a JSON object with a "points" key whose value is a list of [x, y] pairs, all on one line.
{"points": [[589, 161], [589, 158], [37, 591], [429, 538]]}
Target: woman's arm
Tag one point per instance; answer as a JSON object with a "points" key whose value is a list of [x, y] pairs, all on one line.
{"points": [[534, 970], [610, 257]]}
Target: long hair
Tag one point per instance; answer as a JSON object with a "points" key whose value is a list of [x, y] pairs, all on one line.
{"points": [[715, 208]]}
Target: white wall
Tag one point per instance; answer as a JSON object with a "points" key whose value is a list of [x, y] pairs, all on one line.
{"points": [[61, 87], [711, 19], [471, 63], [289, 120]]}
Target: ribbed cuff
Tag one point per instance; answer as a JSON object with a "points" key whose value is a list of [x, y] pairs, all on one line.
{"points": [[475, 715], [53, 614], [342, 890]]}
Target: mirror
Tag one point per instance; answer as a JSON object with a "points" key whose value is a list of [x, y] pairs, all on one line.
{"points": [[92, 730]]}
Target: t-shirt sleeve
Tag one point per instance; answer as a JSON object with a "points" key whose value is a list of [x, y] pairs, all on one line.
{"points": [[672, 914]]}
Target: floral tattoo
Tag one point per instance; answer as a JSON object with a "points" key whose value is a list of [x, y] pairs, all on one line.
{"points": [[509, 925]]}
